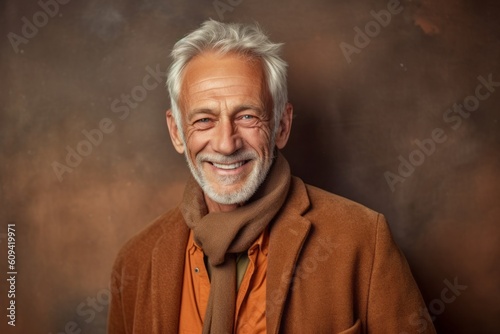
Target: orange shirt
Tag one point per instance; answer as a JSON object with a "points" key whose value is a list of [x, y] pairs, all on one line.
{"points": [[251, 297]]}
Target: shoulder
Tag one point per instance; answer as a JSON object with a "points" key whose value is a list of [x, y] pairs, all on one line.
{"points": [[328, 205], [356, 233], [341, 218]]}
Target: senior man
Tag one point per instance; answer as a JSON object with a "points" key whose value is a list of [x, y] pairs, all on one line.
{"points": [[250, 248]]}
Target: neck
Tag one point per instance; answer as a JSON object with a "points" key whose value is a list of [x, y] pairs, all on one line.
{"points": [[213, 206]]}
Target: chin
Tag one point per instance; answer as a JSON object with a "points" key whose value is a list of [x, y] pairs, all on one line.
{"points": [[233, 195]]}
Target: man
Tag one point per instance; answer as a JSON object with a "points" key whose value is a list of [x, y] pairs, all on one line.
{"points": [[251, 249]]}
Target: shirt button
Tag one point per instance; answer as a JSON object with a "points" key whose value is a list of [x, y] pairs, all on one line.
{"points": [[196, 270]]}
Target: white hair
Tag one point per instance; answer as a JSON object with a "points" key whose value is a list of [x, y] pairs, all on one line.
{"points": [[247, 40]]}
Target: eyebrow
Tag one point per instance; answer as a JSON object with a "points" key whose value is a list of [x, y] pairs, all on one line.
{"points": [[248, 106], [197, 111]]}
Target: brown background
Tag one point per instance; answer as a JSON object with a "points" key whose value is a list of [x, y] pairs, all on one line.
{"points": [[352, 122]]}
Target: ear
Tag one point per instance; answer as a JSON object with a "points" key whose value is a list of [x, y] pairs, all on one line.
{"points": [[174, 132], [285, 127]]}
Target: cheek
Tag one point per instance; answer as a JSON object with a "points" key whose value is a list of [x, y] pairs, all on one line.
{"points": [[259, 139], [195, 140]]}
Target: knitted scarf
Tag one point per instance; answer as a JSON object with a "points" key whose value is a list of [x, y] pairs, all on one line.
{"points": [[222, 235]]}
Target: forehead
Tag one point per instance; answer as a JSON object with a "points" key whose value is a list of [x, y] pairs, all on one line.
{"points": [[213, 74]]}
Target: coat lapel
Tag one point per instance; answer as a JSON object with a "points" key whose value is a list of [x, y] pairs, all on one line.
{"points": [[167, 275], [287, 235]]}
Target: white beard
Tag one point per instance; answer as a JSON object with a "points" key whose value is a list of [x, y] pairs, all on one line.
{"points": [[254, 179]]}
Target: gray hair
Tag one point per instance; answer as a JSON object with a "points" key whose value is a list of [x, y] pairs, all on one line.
{"points": [[223, 38]]}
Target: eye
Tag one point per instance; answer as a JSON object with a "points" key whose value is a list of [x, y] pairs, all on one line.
{"points": [[247, 120], [203, 123]]}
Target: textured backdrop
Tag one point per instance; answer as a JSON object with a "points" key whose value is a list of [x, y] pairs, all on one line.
{"points": [[396, 107]]}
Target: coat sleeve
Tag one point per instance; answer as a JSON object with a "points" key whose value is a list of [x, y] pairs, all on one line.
{"points": [[395, 304]]}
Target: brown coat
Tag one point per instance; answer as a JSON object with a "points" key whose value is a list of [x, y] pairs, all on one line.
{"points": [[332, 268]]}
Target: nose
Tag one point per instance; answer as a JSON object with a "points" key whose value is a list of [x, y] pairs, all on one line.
{"points": [[226, 139]]}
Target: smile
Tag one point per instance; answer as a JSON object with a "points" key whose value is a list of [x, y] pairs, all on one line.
{"points": [[229, 166]]}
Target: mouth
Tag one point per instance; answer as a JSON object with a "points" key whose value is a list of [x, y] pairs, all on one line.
{"points": [[230, 166]]}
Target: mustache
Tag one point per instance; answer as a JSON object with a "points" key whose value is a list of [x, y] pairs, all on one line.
{"points": [[226, 159]]}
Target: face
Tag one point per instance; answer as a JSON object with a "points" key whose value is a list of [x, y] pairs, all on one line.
{"points": [[227, 126]]}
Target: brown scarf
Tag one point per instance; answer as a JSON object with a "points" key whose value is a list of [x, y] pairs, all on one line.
{"points": [[222, 235]]}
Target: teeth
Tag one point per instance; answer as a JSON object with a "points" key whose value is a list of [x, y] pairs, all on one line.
{"points": [[230, 166]]}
